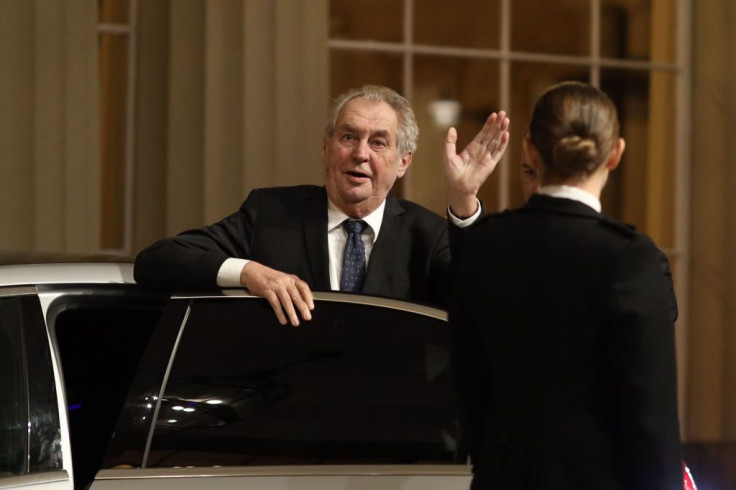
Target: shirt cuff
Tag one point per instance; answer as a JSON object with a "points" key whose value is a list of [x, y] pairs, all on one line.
{"points": [[229, 274], [464, 223]]}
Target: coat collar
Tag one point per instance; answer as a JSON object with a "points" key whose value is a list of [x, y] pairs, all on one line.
{"points": [[384, 253], [315, 234], [561, 205]]}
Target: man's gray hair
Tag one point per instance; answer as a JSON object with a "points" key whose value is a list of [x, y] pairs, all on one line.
{"points": [[408, 131]]}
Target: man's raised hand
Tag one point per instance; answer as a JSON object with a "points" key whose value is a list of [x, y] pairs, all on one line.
{"points": [[467, 171]]}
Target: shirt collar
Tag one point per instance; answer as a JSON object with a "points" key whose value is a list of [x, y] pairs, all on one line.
{"points": [[335, 217], [574, 193]]}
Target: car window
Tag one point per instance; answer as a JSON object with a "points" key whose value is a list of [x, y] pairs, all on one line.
{"points": [[359, 384], [30, 433], [101, 340], [45, 451], [13, 396]]}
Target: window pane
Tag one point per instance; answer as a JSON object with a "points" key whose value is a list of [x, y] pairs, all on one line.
{"points": [[350, 69], [131, 432], [13, 396], [448, 91], [114, 11], [357, 384], [641, 190], [376, 20], [528, 81], [642, 30], [113, 87], [472, 24], [100, 344], [551, 27], [45, 452]]}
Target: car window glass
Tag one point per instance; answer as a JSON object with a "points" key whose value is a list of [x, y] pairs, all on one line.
{"points": [[358, 384], [100, 343], [45, 451], [128, 444], [13, 395]]}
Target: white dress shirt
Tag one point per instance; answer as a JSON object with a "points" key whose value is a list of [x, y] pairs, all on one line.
{"points": [[574, 193], [228, 276]]}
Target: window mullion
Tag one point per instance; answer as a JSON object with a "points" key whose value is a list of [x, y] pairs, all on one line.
{"points": [[595, 43]]}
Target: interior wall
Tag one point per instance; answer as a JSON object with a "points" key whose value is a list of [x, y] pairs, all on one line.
{"points": [[191, 169], [711, 385], [232, 96], [49, 135]]}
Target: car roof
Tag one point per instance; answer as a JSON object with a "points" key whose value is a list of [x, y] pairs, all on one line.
{"points": [[34, 269], [66, 273]]}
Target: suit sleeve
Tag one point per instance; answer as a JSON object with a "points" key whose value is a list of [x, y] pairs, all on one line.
{"points": [[664, 263], [439, 282], [192, 259], [641, 355]]}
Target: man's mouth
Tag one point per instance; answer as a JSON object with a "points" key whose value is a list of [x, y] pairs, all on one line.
{"points": [[355, 176]]}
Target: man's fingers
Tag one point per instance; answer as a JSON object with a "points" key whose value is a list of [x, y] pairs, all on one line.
{"points": [[273, 300], [450, 142], [504, 142], [288, 306], [306, 293], [301, 305], [487, 132], [299, 302]]}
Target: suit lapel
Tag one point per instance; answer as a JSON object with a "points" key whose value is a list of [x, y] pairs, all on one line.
{"points": [[380, 264], [315, 234]]}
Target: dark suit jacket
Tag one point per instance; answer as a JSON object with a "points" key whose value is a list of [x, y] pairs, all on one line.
{"points": [[564, 352], [286, 228]]}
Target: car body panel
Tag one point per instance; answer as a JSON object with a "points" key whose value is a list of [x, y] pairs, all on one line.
{"points": [[57, 480], [61, 291], [393, 477]]}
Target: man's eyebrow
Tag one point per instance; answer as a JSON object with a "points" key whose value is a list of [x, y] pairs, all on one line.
{"points": [[347, 127], [382, 133]]}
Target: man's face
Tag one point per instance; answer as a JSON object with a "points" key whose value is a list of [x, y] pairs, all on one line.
{"points": [[361, 157]]}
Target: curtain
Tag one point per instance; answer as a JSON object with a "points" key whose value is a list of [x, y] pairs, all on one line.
{"points": [[49, 150], [231, 96], [711, 414]]}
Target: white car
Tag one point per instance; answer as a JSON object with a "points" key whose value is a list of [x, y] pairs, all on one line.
{"points": [[106, 385]]}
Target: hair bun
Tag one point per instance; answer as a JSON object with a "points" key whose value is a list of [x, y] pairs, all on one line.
{"points": [[574, 127], [574, 154]]}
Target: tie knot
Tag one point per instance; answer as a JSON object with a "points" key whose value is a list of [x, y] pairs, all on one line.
{"points": [[354, 225]]}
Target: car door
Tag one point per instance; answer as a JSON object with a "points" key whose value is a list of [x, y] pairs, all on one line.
{"points": [[31, 453], [358, 397]]}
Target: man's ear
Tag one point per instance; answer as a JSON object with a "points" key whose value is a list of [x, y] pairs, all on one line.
{"points": [[404, 164], [615, 158], [325, 142]]}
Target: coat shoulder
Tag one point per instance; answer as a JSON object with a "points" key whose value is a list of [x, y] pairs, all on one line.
{"points": [[624, 229], [289, 191], [420, 214]]}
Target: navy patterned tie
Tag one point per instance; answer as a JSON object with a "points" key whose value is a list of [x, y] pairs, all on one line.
{"points": [[353, 258]]}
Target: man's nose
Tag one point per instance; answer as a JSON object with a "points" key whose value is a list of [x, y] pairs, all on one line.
{"points": [[360, 151]]}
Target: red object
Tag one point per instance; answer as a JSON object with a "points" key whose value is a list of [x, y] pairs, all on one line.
{"points": [[687, 478]]}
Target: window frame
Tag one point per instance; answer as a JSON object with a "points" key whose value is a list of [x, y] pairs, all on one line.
{"points": [[149, 389], [679, 254], [42, 416]]}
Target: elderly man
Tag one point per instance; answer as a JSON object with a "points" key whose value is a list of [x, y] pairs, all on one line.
{"points": [[350, 235]]}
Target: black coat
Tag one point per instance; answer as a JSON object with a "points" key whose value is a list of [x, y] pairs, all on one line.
{"points": [[564, 352], [286, 229]]}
